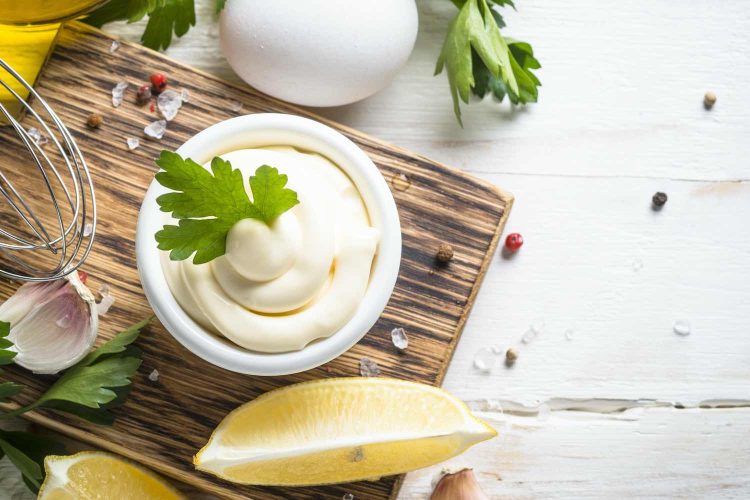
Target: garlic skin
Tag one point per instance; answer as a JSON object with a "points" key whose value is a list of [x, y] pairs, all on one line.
{"points": [[52, 325], [461, 485]]}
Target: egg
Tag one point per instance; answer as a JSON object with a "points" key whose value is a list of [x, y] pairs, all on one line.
{"points": [[318, 52]]}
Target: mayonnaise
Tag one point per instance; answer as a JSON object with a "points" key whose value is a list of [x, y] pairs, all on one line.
{"points": [[278, 287]]}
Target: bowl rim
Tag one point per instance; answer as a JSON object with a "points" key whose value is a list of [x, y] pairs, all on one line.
{"points": [[255, 130]]}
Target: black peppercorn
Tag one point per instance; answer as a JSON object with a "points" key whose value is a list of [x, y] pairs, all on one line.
{"points": [[143, 95], [658, 200]]}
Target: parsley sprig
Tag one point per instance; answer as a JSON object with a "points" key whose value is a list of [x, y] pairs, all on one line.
{"points": [[478, 59], [88, 389], [207, 204], [165, 17]]}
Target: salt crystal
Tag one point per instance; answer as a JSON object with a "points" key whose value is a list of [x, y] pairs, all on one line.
{"points": [[133, 143], [154, 375], [484, 360], [102, 307], [368, 368], [637, 265], [537, 325], [348, 496], [529, 336], [185, 95], [87, 230], [115, 45], [399, 338], [169, 103], [568, 334], [493, 405], [156, 129], [681, 327], [36, 136], [117, 92], [235, 106]]}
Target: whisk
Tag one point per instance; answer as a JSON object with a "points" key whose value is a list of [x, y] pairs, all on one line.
{"points": [[46, 229]]}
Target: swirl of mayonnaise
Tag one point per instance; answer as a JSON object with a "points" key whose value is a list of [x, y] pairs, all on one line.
{"points": [[280, 286]]}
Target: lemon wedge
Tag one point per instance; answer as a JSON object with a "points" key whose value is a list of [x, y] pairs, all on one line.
{"points": [[93, 474], [339, 430]]}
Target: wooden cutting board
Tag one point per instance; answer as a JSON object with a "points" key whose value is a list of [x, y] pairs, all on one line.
{"points": [[165, 422]]}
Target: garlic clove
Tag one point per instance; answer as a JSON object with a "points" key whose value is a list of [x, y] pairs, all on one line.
{"points": [[26, 297], [460, 485], [53, 325]]}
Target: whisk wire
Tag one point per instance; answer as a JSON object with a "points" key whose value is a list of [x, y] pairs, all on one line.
{"points": [[75, 237]]}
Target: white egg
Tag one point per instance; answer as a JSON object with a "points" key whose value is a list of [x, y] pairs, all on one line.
{"points": [[318, 52]]}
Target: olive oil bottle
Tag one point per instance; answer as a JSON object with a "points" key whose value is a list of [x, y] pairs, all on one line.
{"points": [[28, 29]]}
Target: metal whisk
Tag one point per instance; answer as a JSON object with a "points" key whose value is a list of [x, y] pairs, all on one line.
{"points": [[48, 224]]}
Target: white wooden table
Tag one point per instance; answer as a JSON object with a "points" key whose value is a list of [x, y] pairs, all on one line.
{"points": [[636, 410]]}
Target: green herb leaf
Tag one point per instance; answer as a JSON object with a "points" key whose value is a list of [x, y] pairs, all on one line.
{"points": [[116, 10], [117, 344], [165, 17], [219, 193], [27, 451], [270, 197], [173, 16], [95, 384], [9, 389], [220, 4], [478, 58], [208, 204], [6, 355]]}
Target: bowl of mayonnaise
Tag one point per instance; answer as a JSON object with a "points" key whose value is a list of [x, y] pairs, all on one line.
{"points": [[292, 294]]}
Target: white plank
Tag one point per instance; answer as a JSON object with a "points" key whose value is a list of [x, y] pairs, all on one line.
{"points": [[623, 84], [578, 269], [656, 453]]}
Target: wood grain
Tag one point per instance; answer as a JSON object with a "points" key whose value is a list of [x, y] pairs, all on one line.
{"points": [[164, 423]]}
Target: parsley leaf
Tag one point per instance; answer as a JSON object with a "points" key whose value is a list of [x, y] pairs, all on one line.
{"points": [[27, 451], [165, 17], [207, 204], [220, 4], [97, 383], [6, 355], [8, 389], [479, 59], [173, 16], [130, 10], [270, 197]]}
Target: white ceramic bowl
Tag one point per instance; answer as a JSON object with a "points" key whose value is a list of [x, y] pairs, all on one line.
{"points": [[266, 130]]}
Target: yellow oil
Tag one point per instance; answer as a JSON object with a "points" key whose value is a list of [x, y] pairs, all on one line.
{"points": [[28, 29]]}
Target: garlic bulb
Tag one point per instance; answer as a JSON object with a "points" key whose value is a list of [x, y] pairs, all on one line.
{"points": [[52, 325], [461, 485]]}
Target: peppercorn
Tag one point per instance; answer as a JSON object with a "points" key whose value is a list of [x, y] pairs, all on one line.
{"points": [[709, 100], [511, 355], [159, 82], [94, 120], [143, 95], [444, 253], [514, 241], [658, 200]]}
